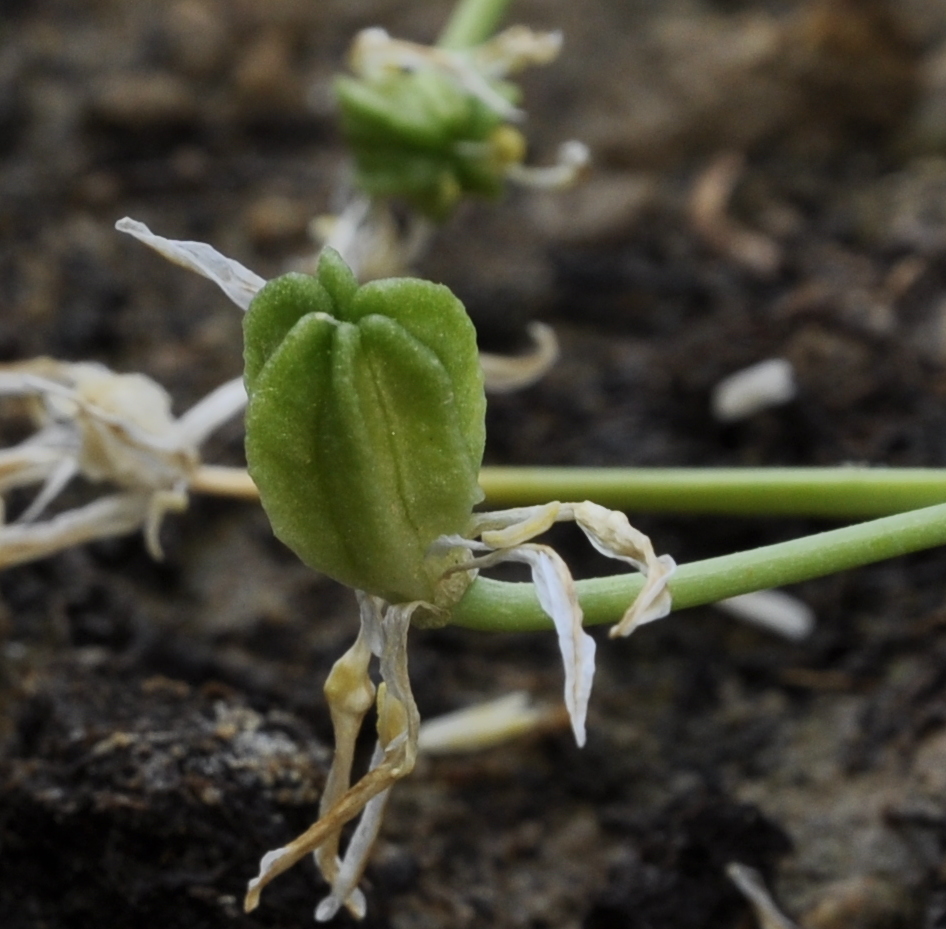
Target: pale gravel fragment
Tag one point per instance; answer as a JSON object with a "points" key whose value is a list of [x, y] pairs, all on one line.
{"points": [[773, 610], [751, 390]]}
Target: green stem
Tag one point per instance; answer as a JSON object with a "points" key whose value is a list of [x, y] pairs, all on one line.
{"points": [[842, 492], [472, 22], [503, 607]]}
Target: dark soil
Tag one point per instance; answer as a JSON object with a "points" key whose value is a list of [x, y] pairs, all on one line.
{"points": [[162, 725]]}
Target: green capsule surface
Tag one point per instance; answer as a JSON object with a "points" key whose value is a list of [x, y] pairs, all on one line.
{"points": [[365, 423], [421, 137]]}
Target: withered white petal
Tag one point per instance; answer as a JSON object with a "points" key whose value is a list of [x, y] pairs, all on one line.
{"points": [[557, 596], [344, 890], [750, 884], [118, 514], [65, 471], [573, 158], [239, 283]]}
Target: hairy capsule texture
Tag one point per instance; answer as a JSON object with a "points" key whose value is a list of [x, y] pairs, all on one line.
{"points": [[365, 424]]}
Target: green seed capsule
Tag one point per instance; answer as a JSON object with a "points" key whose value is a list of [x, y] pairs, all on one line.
{"points": [[365, 423], [421, 137]]}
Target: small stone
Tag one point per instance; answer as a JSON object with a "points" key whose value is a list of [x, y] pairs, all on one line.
{"points": [[758, 387]]}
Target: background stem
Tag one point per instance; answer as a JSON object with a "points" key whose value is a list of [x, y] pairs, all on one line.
{"points": [[843, 492], [503, 607], [472, 22]]}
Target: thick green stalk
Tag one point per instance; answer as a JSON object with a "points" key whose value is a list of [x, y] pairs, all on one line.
{"points": [[472, 22], [503, 607], [842, 492]]}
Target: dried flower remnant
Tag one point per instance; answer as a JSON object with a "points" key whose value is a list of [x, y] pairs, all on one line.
{"points": [[365, 434], [430, 125], [380, 390], [107, 428]]}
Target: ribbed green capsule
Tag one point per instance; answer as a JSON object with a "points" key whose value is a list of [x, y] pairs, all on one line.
{"points": [[421, 137], [365, 423]]}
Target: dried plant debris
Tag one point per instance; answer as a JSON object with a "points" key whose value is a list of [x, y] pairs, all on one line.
{"points": [[111, 429]]}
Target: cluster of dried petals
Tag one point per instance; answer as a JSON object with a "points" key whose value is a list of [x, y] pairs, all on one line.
{"points": [[430, 126], [505, 536], [351, 693], [495, 537], [375, 53], [108, 428]]}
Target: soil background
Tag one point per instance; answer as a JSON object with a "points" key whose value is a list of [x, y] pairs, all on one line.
{"points": [[162, 724]]}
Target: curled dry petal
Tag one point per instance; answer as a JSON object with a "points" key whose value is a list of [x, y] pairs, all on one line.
{"points": [[611, 534], [573, 158], [752, 887], [27, 463], [485, 725], [504, 535], [372, 240], [506, 373], [515, 49], [205, 416], [350, 694], [374, 54]]}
